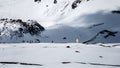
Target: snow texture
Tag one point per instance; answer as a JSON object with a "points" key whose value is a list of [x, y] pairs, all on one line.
{"points": [[59, 55]]}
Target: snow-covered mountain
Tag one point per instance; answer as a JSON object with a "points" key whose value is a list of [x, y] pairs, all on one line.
{"points": [[90, 21], [11, 30]]}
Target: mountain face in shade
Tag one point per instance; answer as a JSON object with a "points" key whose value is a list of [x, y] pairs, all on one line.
{"points": [[109, 33]]}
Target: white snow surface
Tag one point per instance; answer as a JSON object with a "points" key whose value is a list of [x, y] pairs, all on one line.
{"points": [[51, 55]]}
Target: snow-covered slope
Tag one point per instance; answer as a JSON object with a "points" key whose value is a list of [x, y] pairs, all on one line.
{"points": [[67, 18], [54, 13], [16, 30], [59, 55], [96, 34]]}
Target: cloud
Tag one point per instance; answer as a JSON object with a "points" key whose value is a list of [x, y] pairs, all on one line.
{"points": [[110, 20]]}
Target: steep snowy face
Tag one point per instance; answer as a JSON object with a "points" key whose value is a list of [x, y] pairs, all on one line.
{"points": [[51, 12], [48, 12]]}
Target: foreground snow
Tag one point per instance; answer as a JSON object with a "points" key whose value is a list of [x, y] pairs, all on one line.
{"points": [[59, 56]]}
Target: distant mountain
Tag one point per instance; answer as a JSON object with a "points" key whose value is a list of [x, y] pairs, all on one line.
{"points": [[95, 32], [98, 34]]}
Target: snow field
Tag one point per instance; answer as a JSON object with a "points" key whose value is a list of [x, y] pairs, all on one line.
{"points": [[59, 56]]}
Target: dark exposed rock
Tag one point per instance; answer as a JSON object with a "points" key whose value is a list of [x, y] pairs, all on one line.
{"points": [[32, 27], [75, 3], [98, 64], [46, 5], [64, 38], [37, 41], [66, 62], [21, 63], [96, 25], [116, 11], [109, 33], [77, 51], [67, 46], [101, 56], [55, 1], [37, 0]]}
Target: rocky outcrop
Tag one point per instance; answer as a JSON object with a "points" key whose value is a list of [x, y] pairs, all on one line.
{"points": [[76, 2], [116, 12], [17, 27], [37, 0], [109, 33]]}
